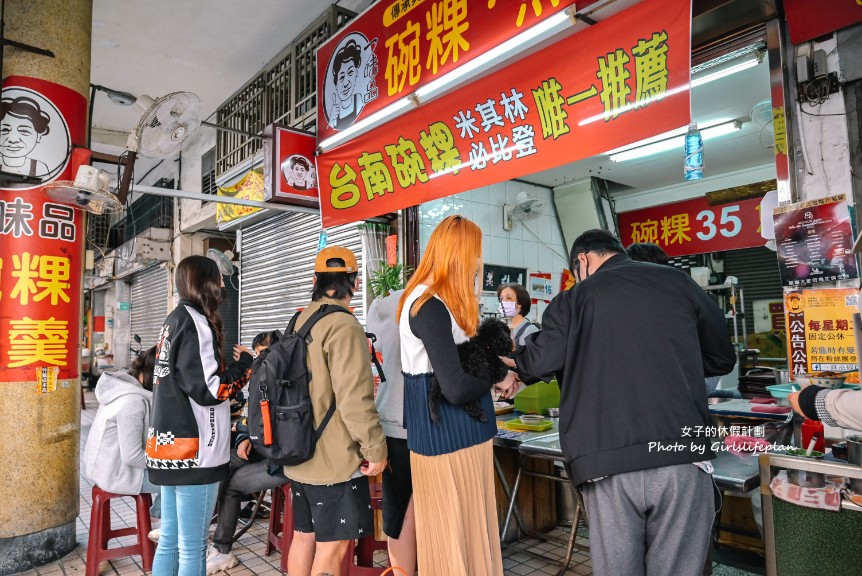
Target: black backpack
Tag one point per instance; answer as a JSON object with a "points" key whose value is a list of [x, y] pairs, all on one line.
{"points": [[280, 417]]}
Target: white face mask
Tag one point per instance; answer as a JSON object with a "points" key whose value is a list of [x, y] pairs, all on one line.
{"points": [[507, 309]]}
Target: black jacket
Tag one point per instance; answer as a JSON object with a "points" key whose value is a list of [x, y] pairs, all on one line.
{"points": [[630, 345], [189, 437]]}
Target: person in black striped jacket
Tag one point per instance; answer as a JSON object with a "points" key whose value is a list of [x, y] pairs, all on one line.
{"points": [[188, 444]]}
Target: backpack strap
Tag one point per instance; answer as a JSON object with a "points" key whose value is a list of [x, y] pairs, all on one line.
{"points": [[326, 418], [521, 330], [373, 338], [303, 332], [292, 324], [324, 310]]}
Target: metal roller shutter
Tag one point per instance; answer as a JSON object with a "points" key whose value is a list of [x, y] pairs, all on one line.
{"points": [[277, 266], [757, 270], [150, 292]]}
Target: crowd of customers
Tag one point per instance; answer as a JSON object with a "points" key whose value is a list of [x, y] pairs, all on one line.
{"points": [[165, 425]]}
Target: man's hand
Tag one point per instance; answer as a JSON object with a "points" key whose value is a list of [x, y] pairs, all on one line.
{"points": [[508, 361], [372, 468], [793, 398], [244, 449], [508, 387]]}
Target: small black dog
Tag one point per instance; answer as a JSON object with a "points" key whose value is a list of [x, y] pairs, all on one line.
{"points": [[480, 357]]}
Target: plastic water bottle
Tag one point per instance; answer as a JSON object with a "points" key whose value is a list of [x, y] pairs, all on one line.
{"points": [[693, 153]]}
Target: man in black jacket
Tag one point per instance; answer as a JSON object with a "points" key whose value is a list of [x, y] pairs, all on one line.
{"points": [[630, 345]]}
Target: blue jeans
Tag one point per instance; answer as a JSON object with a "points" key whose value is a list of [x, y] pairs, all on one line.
{"points": [[186, 514]]}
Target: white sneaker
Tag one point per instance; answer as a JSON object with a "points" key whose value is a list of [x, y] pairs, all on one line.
{"points": [[154, 535], [219, 562]]}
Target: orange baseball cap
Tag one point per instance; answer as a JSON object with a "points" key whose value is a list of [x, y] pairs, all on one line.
{"points": [[339, 252]]}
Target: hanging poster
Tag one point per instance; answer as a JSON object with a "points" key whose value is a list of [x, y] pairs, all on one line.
{"points": [[493, 275], [622, 80], [540, 286], [814, 241], [820, 329], [249, 187]]}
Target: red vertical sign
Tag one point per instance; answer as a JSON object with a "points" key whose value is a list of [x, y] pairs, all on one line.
{"points": [[41, 242]]}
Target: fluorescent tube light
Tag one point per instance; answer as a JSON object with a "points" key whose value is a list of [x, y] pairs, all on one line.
{"points": [[526, 39], [712, 76], [373, 120], [530, 37], [674, 142]]}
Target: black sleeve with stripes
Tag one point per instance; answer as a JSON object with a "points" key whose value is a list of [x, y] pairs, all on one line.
{"points": [[433, 325]]}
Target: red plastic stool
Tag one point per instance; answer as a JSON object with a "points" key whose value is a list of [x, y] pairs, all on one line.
{"points": [[101, 532], [367, 546], [280, 533]]}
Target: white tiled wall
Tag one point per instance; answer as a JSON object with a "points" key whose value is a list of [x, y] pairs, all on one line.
{"points": [[518, 247]]}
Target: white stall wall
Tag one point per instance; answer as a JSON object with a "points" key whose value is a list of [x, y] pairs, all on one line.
{"points": [[536, 244]]}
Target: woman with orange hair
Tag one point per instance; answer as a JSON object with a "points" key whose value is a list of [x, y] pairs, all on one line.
{"points": [[452, 458]]}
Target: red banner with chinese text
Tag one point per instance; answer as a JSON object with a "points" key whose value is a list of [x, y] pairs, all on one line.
{"points": [[694, 227], [620, 81], [396, 46], [41, 242]]}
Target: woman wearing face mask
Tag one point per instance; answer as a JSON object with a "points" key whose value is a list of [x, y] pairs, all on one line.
{"points": [[514, 306]]}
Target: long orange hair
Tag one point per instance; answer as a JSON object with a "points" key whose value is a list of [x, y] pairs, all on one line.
{"points": [[449, 268]]}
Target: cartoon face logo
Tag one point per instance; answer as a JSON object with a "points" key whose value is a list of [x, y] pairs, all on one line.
{"points": [[34, 137], [350, 80], [793, 303], [299, 173]]}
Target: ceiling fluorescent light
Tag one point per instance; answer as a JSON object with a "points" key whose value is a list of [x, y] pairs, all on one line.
{"points": [[674, 142], [666, 135], [526, 39], [372, 121], [738, 67]]}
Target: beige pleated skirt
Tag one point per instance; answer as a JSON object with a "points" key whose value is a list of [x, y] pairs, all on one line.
{"points": [[457, 533]]}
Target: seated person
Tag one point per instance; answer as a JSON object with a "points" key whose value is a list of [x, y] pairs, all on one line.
{"points": [[250, 472], [114, 458]]}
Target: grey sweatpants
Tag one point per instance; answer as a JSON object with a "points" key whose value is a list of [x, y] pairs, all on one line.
{"points": [[653, 522]]}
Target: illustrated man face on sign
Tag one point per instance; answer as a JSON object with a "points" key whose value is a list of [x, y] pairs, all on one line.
{"points": [[22, 125]]}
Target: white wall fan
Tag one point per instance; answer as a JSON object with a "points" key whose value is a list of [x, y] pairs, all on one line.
{"points": [[165, 124], [223, 260], [88, 192], [524, 209]]}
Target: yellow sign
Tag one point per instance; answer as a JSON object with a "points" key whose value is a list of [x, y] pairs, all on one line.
{"points": [[250, 187], [820, 330]]}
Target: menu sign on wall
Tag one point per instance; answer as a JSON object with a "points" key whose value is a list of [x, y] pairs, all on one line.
{"points": [[820, 329], [814, 240], [694, 227]]}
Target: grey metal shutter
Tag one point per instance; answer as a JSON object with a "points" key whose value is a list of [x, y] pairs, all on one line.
{"points": [[277, 267], [230, 315], [757, 270], [150, 290]]}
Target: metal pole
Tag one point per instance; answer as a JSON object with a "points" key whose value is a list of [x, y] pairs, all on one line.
{"points": [[174, 193]]}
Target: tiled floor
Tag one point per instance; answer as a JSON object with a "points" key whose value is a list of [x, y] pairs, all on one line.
{"points": [[530, 557]]}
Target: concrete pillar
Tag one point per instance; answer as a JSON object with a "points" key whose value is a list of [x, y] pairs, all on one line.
{"points": [[41, 264]]}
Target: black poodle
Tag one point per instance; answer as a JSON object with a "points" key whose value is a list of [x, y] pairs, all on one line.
{"points": [[480, 357]]}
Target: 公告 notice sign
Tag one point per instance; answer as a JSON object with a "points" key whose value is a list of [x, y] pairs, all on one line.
{"points": [[820, 329], [622, 80]]}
